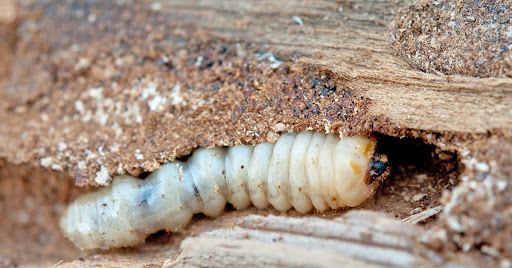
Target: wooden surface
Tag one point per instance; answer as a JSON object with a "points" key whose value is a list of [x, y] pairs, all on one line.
{"points": [[351, 39], [7, 36], [359, 238]]}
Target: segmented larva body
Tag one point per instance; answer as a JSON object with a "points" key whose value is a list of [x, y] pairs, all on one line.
{"points": [[302, 170]]}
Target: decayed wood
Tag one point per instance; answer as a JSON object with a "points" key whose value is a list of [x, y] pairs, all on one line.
{"points": [[351, 39], [358, 238], [419, 217], [7, 36], [213, 252]]}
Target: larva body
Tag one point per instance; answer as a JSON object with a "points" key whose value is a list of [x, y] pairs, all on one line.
{"points": [[302, 170]]}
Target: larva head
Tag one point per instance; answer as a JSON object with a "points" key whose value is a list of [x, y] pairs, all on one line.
{"points": [[353, 160], [377, 169]]}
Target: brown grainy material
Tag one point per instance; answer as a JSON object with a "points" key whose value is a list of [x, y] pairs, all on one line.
{"points": [[478, 213], [137, 88], [140, 94], [350, 39], [472, 38], [31, 203], [99, 89], [8, 24]]}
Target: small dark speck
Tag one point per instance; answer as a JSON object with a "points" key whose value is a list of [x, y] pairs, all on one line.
{"points": [[242, 167], [196, 191], [104, 204]]}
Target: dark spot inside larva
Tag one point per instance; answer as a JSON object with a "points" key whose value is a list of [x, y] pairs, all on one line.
{"points": [[367, 236], [241, 185], [163, 196], [278, 186], [223, 172], [259, 185], [181, 207], [196, 191], [131, 231], [143, 197], [277, 239], [333, 199], [242, 167], [104, 204], [300, 189]]}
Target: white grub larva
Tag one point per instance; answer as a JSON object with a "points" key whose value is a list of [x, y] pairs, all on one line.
{"points": [[302, 170]]}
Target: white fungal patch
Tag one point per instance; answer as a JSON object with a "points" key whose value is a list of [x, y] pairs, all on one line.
{"points": [[302, 170]]}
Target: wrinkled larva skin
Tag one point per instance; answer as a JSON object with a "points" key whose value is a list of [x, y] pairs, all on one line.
{"points": [[302, 170]]}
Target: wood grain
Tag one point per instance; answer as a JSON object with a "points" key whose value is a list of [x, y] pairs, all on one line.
{"points": [[359, 238], [351, 39]]}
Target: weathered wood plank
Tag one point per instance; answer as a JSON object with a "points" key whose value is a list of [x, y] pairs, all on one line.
{"points": [[351, 39], [358, 238]]}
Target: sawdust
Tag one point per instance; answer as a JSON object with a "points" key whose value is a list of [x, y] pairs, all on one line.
{"points": [[472, 38], [135, 92], [124, 91], [31, 203], [478, 213]]}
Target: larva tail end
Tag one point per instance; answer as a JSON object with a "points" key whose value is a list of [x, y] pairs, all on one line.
{"points": [[378, 169]]}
